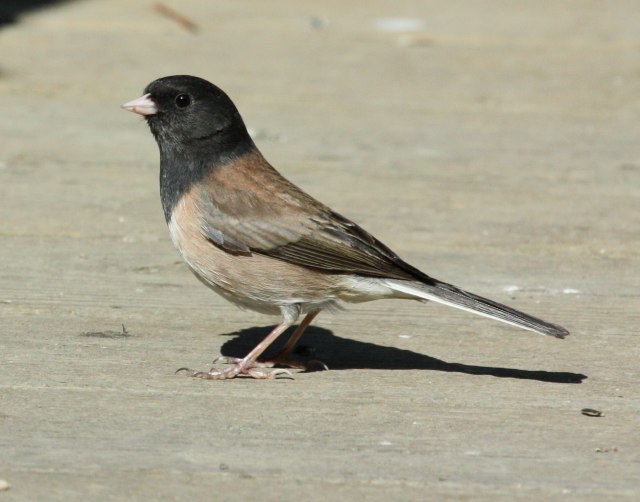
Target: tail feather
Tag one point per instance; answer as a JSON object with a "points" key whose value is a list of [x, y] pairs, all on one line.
{"points": [[447, 294]]}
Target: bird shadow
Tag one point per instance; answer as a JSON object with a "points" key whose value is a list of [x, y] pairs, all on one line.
{"points": [[342, 354]]}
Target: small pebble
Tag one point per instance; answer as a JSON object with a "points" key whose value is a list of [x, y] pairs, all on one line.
{"points": [[590, 412], [318, 23], [4, 485]]}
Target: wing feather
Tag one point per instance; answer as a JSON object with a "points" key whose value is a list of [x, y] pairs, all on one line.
{"points": [[244, 215]]}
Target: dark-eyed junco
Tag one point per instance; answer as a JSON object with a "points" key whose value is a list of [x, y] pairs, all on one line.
{"points": [[260, 241]]}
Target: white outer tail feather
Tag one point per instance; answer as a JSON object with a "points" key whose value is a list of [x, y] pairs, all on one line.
{"points": [[429, 292]]}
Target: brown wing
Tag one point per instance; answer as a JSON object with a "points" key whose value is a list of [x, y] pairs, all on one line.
{"points": [[248, 207]]}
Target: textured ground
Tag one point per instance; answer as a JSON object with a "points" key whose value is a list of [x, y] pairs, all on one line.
{"points": [[493, 145]]}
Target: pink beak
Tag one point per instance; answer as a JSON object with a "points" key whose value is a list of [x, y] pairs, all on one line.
{"points": [[144, 105]]}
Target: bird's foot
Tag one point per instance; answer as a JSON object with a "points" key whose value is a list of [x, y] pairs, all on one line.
{"points": [[312, 365], [240, 368]]}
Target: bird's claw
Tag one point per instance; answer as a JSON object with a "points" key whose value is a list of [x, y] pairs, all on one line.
{"points": [[316, 365], [312, 365], [238, 360], [237, 370]]}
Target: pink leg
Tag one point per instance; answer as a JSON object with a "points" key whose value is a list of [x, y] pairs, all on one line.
{"points": [[283, 356], [247, 364]]}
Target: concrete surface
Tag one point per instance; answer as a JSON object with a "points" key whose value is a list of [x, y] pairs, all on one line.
{"points": [[492, 144]]}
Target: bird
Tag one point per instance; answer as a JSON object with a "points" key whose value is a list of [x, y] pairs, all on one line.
{"points": [[263, 243]]}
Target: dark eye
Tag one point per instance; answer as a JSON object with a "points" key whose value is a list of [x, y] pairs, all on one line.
{"points": [[183, 100]]}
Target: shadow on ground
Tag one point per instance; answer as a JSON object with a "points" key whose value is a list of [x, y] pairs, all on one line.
{"points": [[10, 10], [342, 353]]}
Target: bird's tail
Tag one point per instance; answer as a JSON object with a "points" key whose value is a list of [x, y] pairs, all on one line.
{"points": [[447, 294]]}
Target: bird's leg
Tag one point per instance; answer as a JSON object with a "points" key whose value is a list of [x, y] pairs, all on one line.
{"points": [[247, 365], [282, 357]]}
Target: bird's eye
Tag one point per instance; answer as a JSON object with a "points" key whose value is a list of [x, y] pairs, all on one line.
{"points": [[183, 100]]}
